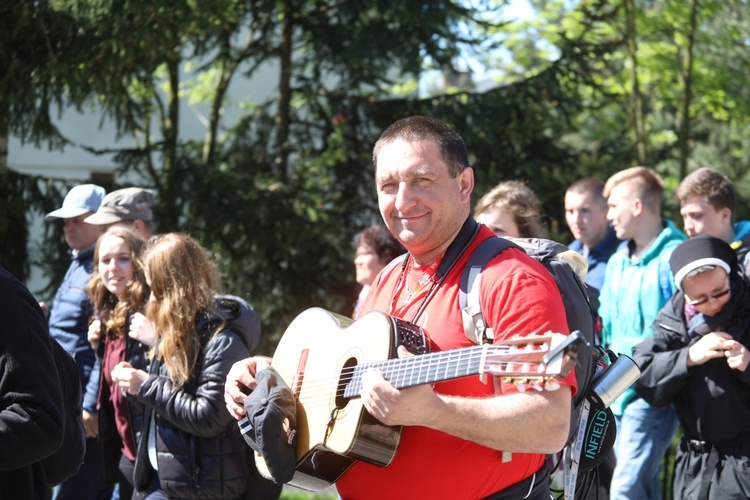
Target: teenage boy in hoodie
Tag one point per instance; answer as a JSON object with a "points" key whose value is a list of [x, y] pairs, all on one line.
{"points": [[637, 283], [707, 204]]}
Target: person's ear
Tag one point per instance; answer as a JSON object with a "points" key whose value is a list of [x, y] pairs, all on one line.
{"points": [[139, 227], [637, 207], [726, 216], [466, 183]]}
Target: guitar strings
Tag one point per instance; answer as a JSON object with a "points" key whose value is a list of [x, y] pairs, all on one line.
{"points": [[318, 390], [318, 393]]}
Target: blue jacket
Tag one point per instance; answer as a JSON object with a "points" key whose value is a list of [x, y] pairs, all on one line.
{"points": [[741, 244], [69, 321], [597, 257], [741, 229], [633, 293]]}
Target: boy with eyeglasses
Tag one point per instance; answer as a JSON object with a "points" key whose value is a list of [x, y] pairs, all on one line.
{"points": [[697, 360]]}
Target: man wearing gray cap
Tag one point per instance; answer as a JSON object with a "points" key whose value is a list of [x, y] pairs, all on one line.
{"points": [[69, 320], [126, 206]]}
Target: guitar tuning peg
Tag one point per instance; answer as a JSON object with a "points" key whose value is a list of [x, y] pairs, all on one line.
{"points": [[537, 386], [551, 385], [521, 386]]}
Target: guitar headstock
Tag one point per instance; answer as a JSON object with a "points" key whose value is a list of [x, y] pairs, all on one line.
{"points": [[533, 361]]}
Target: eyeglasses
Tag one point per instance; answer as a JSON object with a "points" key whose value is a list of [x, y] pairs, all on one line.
{"points": [[716, 296]]}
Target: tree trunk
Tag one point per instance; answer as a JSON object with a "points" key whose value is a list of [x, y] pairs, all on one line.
{"points": [[170, 130], [227, 67], [636, 99], [4, 124], [686, 77], [285, 92]]}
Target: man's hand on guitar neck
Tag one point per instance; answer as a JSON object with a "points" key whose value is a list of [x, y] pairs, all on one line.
{"points": [[408, 406], [502, 422], [240, 381]]}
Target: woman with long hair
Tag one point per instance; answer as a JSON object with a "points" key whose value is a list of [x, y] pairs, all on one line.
{"points": [[191, 447], [118, 291]]}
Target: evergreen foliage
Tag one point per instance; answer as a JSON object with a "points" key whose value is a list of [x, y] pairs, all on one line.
{"points": [[278, 191]]}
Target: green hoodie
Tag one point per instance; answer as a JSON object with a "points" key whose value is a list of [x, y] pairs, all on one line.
{"points": [[633, 293]]}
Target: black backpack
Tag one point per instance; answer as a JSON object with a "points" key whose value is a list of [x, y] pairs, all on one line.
{"points": [[559, 261], [66, 461], [581, 304]]}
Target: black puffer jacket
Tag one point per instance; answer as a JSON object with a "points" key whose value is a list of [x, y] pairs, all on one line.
{"points": [[200, 453], [712, 400]]}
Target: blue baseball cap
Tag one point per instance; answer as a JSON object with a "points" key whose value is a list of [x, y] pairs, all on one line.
{"points": [[79, 200]]}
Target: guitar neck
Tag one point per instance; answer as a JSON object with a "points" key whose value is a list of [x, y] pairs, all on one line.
{"points": [[519, 360], [423, 369]]}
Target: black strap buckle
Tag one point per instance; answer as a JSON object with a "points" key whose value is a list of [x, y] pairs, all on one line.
{"points": [[699, 446]]}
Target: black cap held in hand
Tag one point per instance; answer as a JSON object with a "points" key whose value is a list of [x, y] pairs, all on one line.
{"points": [[271, 426]]}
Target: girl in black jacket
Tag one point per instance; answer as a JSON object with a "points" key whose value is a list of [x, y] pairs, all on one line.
{"points": [[190, 447]]}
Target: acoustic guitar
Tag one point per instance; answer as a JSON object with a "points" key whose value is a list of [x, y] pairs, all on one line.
{"points": [[322, 356]]}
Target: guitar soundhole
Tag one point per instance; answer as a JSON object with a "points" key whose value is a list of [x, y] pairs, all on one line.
{"points": [[346, 376]]}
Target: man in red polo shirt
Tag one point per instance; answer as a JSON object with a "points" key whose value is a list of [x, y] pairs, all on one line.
{"points": [[462, 438]]}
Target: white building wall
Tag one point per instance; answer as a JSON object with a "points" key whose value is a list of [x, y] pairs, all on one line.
{"points": [[75, 163]]}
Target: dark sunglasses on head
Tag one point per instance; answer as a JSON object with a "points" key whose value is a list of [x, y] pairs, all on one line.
{"points": [[716, 295]]}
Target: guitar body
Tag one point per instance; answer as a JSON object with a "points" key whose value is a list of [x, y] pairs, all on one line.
{"points": [[323, 357], [333, 431]]}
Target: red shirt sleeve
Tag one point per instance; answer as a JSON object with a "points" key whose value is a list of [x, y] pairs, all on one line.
{"points": [[520, 297]]}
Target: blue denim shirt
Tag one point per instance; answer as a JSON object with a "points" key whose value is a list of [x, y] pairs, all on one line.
{"points": [[69, 321], [597, 257]]}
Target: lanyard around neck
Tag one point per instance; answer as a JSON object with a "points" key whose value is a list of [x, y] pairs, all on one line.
{"points": [[456, 249]]}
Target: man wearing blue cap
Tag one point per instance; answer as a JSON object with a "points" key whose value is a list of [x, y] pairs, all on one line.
{"points": [[69, 320], [697, 360]]}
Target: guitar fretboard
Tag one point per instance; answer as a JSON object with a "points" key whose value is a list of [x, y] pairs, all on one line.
{"points": [[442, 366]]}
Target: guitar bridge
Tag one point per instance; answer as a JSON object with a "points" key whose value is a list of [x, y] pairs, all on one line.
{"points": [[410, 336]]}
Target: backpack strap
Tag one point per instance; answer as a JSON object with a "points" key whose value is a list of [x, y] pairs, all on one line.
{"points": [[388, 269], [469, 301]]}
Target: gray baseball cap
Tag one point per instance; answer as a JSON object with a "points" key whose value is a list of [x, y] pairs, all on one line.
{"points": [[79, 200], [124, 204]]}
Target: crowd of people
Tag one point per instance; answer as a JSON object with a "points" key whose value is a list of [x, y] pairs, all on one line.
{"points": [[166, 358], [153, 336]]}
